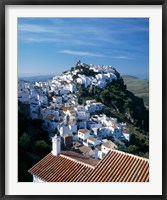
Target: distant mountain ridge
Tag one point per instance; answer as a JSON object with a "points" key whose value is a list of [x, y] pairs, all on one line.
{"points": [[138, 86], [38, 78]]}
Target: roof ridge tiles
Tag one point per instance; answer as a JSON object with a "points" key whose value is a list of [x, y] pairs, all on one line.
{"points": [[116, 166], [77, 161]]}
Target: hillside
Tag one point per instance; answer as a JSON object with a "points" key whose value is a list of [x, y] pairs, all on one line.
{"points": [[102, 83], [139, 87], [113, 93], [118, 102]]}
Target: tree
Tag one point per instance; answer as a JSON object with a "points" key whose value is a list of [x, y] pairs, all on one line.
{"points": [[42, 148], [24, 141], [132, 149]]}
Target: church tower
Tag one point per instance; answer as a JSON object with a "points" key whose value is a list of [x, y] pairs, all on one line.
{"points": [[56, 145]]}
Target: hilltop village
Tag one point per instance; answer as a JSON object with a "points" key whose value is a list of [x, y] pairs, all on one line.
{"points": [[79, 126]]}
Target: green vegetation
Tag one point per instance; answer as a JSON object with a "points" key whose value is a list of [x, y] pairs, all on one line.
{"points": [[138, 87], [124, 105], [33, 144], [119, 102], [139, 142]]}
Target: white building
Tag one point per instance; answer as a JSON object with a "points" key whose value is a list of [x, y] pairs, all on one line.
{"points": [[106, 147], [72, 87], [57, 99], [64, 129], [79, 108], [91, 108], [82, 115], [24, 97], [43, 100], [83, 134], [105, 132], [82, 124], [92, 142], [117, 132]]}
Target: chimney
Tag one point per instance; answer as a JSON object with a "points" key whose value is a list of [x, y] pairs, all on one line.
{"points": [[56, 145]]}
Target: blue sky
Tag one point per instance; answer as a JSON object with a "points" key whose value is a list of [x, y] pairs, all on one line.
{"points": [[49, 46]]}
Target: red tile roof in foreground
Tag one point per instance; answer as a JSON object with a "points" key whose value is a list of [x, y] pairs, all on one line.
{"points": [[116, 166]]}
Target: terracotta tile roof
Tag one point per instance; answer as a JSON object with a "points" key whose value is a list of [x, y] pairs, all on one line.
{"points": [[50, 116], [84, 149], [116, 166], [75, 154], [83, 131], [72, 120], [91, 138], [91, 101], [109, 144], [59, 168], [66, 108]]}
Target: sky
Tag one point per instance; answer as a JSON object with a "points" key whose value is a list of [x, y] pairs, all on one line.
{"points": [[49, 46]]}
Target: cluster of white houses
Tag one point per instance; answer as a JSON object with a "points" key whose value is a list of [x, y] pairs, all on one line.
{"points": [[56, 104]]}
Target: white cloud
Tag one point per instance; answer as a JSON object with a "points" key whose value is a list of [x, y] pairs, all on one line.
{"points": [[41, 29], [40, 39], [34, 28], [81, 53], [62, 40], [122, 57]]}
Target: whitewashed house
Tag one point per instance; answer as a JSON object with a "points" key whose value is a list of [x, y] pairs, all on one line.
{"points": [[105, 132], [43, 100], [93, 125], [100, 77], [92, 142], [49, 111], [79, 108], [82, 124], [24, 97], [72, 87], [33, 94], [83, 134], [101, 84], [21, 85], [91, 108], [106, 147], [65, 97], [99, 106], [57, 99], [126, 136], [90, 101], [81, 115], [117, 132], [72, 123], [64, 129]]}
